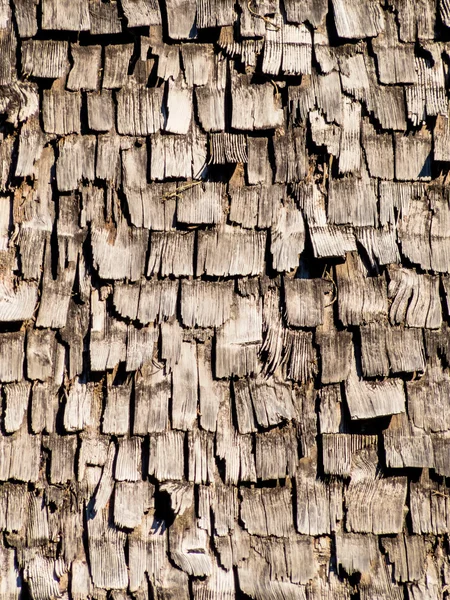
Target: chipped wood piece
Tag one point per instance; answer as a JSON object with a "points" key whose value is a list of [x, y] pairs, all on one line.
{"points": [[93, 452], [129, 503], [441, 139], [86, 68], [238, 341], [180, 156], [140, 13], [395, 61], [148, 302], [31, 145], [336, 350], [100, 111], [380, 244], [211, 392], [73, 334], [312, 11], [62, 462], [408, 553], [115, 70], [201, 204], [405, 350], [17, 397], [374, 504], [42, 574], [353, 21], [261, 107], [325, 134], [81, 584], [205, 304], [356, 552], [201, 463], [290, 156], [236, 450], [17, 301], [171, 340], [119, 253], [287, 238], [104, 18], [374, 357], [413, 156], [108, 156], [331, 414], [198, 63], [41, 354], [178, 107], [340, 450], [75, 18], [128, 465], [76, 161], [439, 233], [82, 410], [441, 451], [353, 201], [12, 352], [187, 28], [228, 148], [211, 108], [415, 298], [414, 233], [427, 97], [304, 299], [230, 251], [44, 406], [37, 530], [152, 395], [139, 109], [255, 206], [300, 356], [379, 151], [26, 18], [140, 346], [318, 503], [13, 449], [267, 401], [166, 445], [371, 399], [360, 299], [258, 166], [148, 552], [184, 388], [45, 58], [171, 253], [61, 111], [56, 294], [385, 101], [406, 445], [214, 13], [105, 483], [434, 418], [188, 546], [276, 454], [116, 415], [106, 548], [350, 147], [287, 49], [268, 513]]}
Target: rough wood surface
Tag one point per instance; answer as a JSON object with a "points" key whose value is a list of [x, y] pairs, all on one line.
{"points": [[224, 299]]}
